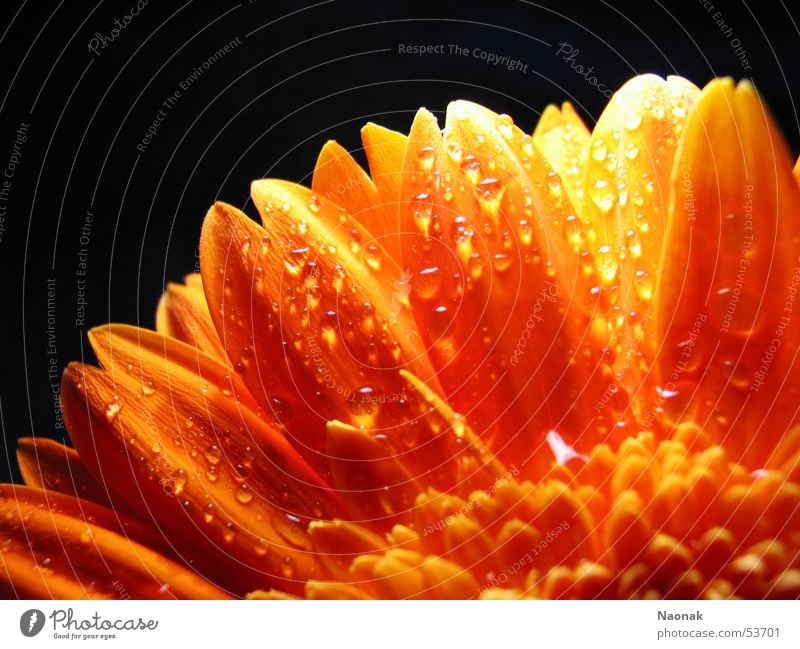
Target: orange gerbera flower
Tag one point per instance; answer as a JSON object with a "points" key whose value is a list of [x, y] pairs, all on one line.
{"points": [[500, 365]]}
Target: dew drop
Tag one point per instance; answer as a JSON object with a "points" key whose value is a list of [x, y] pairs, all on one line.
{"points": [[427, 283], [525, 232], [607, 264], [631, 151], [505, 125], [261, 547], [471, 167], [475, 265], [439, 321], [287, 567], [373, 256], [632, 120], [490, 190], [599, 150], [213, 454], [228, 532], [112, 409], [455, 151], [602, 195], [501, 261], [527, 145], [281, 409], [426, 156], [243, 494], [573, 230], [179, 483]]}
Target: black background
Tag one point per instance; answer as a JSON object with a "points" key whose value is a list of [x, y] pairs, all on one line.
{"points": [[304, 73]]}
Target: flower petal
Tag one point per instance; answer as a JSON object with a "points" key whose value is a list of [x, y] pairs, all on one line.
{"points": [[329, 280], [340, 179], [728, 276], [796, 170], [60, 547], [563, 139], [234, 256], [47, 464], [183, 314], [625, 206], [375, 486], [385, 150], [501, 301], [206, 465]]}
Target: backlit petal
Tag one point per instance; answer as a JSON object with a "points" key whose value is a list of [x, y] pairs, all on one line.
{"points": [[563, 139], [205, 464], [55, 546], [625, 206], [339, 179], [727, 278], [500, 293], [47, 464], [183, 314]]}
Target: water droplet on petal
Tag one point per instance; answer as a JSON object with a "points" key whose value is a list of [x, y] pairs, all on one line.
{"points": [[426, 156], [471, 167], [602, 195], [281, 409], [213, 454], [287, 567], [427, 283], [455, 151], [599, 150], [501, 261], [633, 120], [243, 494], [505, 125], [228, 532], [373, 255], [112, 409]]}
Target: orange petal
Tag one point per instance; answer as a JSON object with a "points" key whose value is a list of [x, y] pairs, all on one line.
{"points": [[336, 590], [183, 314], [235, 254], [206, 464], [340, 179], [563, 139], [60, 547], [728, 276], [385, 150], [796, 171], [47, 464], [625, 205], [331, 283], [338, 543], [375, 486], [501, 301]]}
